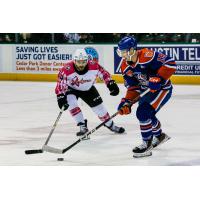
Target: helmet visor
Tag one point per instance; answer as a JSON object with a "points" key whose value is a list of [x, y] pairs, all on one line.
{"points": [[125, 53], [122, 53]]}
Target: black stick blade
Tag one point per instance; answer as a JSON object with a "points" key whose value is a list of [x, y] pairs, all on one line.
{"points": [[33, 151]]}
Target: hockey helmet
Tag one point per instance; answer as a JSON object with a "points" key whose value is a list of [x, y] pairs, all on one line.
{"points": [[80, 59], [125, 44]]}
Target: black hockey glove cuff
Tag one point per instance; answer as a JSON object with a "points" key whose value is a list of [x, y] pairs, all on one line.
{"points": [[113, 88], [62, 101]]}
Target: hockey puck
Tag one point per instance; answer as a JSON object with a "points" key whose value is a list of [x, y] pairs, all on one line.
{"points": [[60, 159]]}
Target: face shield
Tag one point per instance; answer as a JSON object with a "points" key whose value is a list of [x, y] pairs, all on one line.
{"points": [[126, 54]]}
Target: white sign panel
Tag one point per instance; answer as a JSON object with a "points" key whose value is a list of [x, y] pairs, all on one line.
{"points": [[49, 58]]}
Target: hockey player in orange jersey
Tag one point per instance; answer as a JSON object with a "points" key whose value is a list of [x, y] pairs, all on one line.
{"points": [[143, 69]]}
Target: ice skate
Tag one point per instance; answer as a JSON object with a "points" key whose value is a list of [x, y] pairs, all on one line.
{"points": [[143, 150], [83, 130], [116, 129], [158, 140]]}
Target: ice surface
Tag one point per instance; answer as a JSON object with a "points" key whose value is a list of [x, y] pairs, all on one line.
{"points": [[29, 109]]}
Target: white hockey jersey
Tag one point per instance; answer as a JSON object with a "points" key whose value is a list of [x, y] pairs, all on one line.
{"points": [[69, 77]]}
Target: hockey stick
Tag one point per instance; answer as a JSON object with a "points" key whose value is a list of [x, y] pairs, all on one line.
{"points": [[44, 148], [62, 151]]}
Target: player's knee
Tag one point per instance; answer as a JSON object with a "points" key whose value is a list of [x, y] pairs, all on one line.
{"points": [[96, 101], [154, 120], [144, 112]]}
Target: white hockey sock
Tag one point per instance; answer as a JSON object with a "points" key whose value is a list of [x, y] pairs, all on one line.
{"points": [[74, 109], [102, 113], [77, 114]]}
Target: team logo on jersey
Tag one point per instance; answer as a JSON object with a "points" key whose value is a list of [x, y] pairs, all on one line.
{"points": [[141, 78], [92, 54], [77, 82]]}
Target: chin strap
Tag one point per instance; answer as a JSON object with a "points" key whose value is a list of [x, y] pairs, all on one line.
{"points": [[130, 56]]}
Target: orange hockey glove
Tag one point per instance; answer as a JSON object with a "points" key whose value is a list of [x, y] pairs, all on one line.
{"points": [[124, 107]]}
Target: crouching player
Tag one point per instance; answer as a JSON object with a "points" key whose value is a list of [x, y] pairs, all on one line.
{"points": [[76, 80], [143, 69]]}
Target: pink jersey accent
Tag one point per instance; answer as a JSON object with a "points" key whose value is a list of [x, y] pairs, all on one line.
{"points": [[93, 65], [69, 68], [68, 77], [103, 74]]}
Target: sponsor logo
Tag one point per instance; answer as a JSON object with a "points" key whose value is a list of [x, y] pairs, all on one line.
{"points": [[92, 54]]}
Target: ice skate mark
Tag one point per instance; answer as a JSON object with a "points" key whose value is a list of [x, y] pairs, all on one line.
{"points": [[186, 96], [66, 128], [187, 163], [8, 142], [28, 101]]}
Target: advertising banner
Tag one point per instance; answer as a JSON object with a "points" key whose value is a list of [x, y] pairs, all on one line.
{"points": [[46, 58]]}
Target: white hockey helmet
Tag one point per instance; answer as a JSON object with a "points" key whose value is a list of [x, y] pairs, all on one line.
{"points": [[80, 59]]}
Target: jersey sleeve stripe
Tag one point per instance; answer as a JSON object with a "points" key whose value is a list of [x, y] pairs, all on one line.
{"points": [[170, 66]]}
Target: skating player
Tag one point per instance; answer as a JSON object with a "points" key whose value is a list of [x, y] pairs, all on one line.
{"points": [[76, 80], [143, 69]]}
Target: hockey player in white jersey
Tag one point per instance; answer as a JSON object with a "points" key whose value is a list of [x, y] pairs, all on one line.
{"points": [[76, 80]]}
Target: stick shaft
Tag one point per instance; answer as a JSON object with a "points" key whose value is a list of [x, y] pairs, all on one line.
{"points": [[35, 151], [54, 126], [90, 132]]}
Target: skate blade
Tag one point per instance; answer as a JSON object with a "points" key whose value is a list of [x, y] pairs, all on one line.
{"points": [[116, 133], [165, 140], [141, 155]]}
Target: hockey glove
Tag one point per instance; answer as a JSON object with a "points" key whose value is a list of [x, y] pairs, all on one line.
{"points": [[124, 107], [113, 88], [62, 101], [154, 84]]}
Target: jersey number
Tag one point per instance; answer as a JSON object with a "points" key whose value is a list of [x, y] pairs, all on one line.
{"points": [[148, 54], [161, 57]]}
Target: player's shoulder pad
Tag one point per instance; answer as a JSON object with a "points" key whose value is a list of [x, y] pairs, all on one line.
{"points": [[123, 66], [68, 68], [145, 55], [93, 65]]}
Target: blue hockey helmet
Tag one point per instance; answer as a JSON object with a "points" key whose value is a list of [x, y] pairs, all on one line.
{"points": [[125, 44]]}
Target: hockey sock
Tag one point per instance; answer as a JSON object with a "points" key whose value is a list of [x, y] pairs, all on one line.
{"points": [[77, 115], [74, 108], [157, 128], [146, 129], [102, 113]]}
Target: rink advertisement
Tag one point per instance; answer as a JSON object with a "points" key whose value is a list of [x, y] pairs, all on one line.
{"points": [[41, 62], [43, 59], [46, 58], [1, 63], [187, 57]]}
